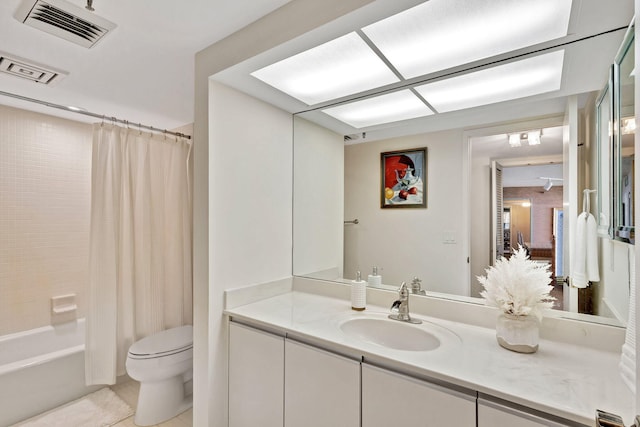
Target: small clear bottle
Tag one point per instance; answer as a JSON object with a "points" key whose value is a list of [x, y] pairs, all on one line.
{"points": [[374, 278]]}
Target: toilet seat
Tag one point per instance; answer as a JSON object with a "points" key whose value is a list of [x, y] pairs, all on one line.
{"points": [[162, 344], [163, 364]]}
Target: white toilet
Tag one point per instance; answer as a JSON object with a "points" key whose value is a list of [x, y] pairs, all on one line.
{"points": [[163, 364]]}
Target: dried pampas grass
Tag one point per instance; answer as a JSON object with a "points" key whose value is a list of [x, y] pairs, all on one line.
{"points": [[518, 285]]}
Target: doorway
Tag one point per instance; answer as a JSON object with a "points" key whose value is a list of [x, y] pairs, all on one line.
{"points": [[519, 211], [523, 168]]}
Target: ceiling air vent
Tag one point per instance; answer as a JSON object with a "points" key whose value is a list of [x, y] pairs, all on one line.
{"points": [[65, 20], [354, 137], [29, 70]]}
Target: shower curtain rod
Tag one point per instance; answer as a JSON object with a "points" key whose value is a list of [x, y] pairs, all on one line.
{"points": [[98, 116]]}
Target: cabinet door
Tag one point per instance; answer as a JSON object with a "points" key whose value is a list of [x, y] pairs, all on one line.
{"points": [[391, 399], [491, 414], [321, 389], [256, 378]]}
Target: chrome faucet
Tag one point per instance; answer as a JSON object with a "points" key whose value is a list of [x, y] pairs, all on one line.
{"points": [[402, 306], [416, 287]]}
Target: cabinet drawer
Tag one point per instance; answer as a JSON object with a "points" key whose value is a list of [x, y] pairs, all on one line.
{"points": [[389, 399], [321, 388], [491, 414], [256, 378]]}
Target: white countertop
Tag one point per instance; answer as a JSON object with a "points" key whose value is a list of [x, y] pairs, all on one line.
{"points": [[565, 380]]}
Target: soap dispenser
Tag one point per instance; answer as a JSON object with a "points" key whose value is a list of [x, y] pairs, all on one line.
{"points": [[374, 278], [358, 293]]}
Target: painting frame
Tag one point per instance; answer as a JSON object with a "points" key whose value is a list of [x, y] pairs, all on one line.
{"points": [[404, 178]]}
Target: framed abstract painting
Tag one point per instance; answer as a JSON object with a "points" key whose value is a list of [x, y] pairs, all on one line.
{"points": [[403, 178]]}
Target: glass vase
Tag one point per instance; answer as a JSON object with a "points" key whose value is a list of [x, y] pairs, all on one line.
{"points": [[518, 333]]}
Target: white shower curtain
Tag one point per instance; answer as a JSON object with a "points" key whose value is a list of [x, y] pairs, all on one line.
{"points": [[140, 244]]}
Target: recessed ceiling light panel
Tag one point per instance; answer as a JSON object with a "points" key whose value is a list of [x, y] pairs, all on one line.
{"points": [[392, 107], [439, 34], [518, 79], [338, 68]]}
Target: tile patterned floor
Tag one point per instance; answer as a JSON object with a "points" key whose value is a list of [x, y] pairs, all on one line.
{"points": [[128, 391]]}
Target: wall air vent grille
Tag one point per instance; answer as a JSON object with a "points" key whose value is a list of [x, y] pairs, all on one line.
{"points": [[65, 20], [29, 70]]}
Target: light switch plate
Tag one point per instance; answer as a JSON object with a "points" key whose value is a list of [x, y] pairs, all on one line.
{"points": [[449, 237]]}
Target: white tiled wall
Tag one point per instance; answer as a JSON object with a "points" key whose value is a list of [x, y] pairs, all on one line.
{"points": [[45, 183]]}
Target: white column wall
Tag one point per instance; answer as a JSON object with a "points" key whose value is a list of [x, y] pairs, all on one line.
{"points": [[250, 208]]}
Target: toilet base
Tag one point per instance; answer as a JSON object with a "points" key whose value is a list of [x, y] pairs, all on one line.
{"points": [[160, 401]]}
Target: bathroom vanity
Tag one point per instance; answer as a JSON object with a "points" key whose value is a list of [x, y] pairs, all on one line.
{"points": [[295, 358]]}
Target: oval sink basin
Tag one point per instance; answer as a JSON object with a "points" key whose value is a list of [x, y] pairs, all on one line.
{"points": [[391, 334]]}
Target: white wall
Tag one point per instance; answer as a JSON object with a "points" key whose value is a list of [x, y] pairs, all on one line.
{"points": [[405, 243], [45, 202], [318, 201], [480, 219], [250, 210], [249, 188], [614, 283]]}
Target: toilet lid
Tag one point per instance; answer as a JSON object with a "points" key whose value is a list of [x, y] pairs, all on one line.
{"points": [[164, 343]]}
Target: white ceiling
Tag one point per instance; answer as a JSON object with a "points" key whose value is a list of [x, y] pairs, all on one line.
{"points": [[530, 176], [143, 71]]}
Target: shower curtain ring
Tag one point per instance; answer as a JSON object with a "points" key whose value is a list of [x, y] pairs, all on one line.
{"points": [[102, 124]]}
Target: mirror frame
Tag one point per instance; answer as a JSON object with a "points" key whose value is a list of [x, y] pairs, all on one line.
{"points": [[621, 231], [605, 229]]}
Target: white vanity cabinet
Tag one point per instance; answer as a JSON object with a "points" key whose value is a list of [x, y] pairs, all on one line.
{"points": [[256, 378], [390, 399], [491, 414], [321, 388], [275, 381]]}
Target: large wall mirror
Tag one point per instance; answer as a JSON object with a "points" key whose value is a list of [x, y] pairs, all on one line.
{"points": [[433, 244], [377, 85]]}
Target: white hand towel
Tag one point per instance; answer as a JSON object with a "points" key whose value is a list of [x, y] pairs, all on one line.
{"points": [[585, 261]]}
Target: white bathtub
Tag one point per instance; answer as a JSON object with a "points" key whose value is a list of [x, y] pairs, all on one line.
{"points": [[40, 369]]}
